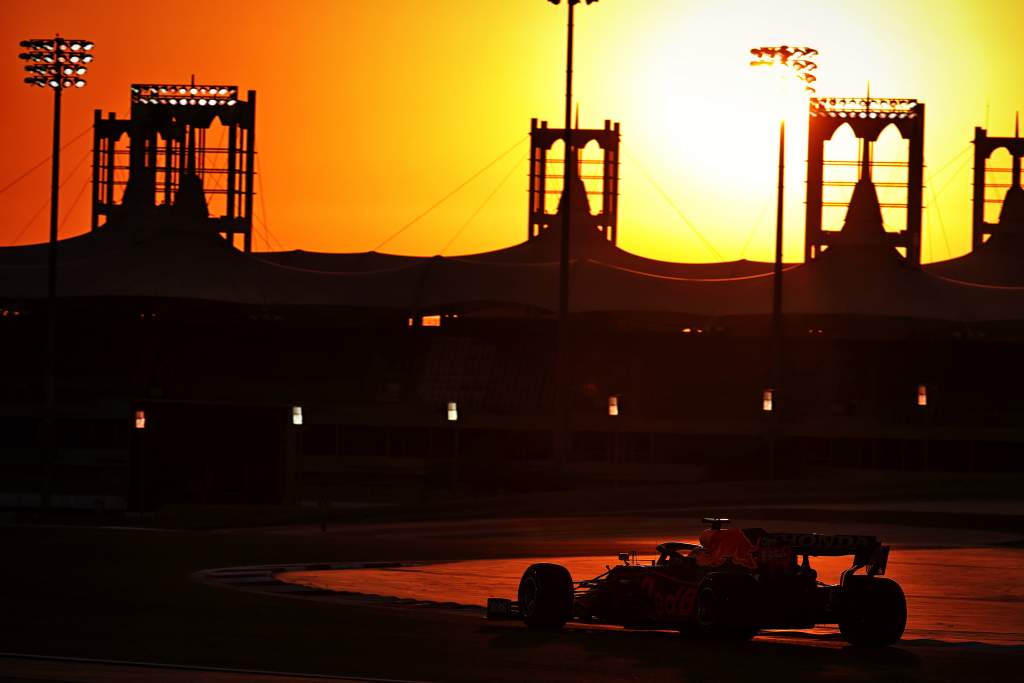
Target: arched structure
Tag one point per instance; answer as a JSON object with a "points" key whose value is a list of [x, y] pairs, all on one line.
{"points": [[868, 117], [172, 174], [542, 138], [984, 146]]}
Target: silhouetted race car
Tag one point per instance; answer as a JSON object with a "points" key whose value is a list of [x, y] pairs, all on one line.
{"points": [[733, 584]]}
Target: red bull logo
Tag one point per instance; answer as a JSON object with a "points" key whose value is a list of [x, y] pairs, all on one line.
{"points": [[726, 544], [669, 602]]}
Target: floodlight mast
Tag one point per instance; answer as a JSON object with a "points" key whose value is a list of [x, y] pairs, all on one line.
{"points": [[796, 62], [56, 63], [562, 441]]}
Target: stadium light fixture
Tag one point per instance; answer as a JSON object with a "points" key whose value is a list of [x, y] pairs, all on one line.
{"points": [[47, 61], [791, 61], [186, 94], [55, 53]]}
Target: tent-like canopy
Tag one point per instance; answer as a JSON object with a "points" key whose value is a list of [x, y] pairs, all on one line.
{"points": [[156, 255], [999, 262]]}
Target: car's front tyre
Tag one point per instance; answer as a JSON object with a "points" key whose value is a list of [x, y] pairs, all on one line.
{"points": [[546, 596]]}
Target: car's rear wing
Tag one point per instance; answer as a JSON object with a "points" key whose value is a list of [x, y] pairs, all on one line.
{"points": [[867, 551]]}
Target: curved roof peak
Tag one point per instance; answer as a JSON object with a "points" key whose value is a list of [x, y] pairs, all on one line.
{"points": [[1011, 216], [863, 226], [864, 214], [578, 194]]}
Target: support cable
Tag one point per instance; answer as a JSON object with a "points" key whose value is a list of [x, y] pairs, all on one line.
{"points": [[753, 228], [486, 201], [267, 233], [43, 161], [942, 223], [949, 181], [31, 220], [672, 204], [935, 203], [74, 202], [976, 285], [266, 236], [676, 278], [936, 174], [46, 203], [447, 196], [263, 203]]}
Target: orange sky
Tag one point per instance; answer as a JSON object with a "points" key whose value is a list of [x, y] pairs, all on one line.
{"points": [[369, 112]]}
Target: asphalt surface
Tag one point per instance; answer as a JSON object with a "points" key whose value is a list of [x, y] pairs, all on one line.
{"points": [[954, 595], [133, 596]]}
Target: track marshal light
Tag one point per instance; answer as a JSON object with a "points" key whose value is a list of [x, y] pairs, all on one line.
{"points": [[613, 405]]}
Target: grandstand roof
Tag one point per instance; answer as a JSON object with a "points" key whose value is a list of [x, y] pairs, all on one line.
{"points": [[159, 256], [999, 262]]}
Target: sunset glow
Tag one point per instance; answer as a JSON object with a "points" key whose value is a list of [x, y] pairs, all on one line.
{"points": [[371, 112]]}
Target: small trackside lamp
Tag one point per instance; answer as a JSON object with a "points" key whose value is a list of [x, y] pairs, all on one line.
{"points": [[613, 405], [140, 419], [297, 415], [922, 395], [767, 400], [453, 411]]}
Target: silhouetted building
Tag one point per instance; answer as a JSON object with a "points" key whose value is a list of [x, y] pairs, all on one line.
{"points": [[997, 255], [182, 360], [606, 219], [867, 117], [170, 165]]}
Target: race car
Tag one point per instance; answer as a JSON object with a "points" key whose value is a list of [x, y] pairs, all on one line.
{"points": [[732, 584]]}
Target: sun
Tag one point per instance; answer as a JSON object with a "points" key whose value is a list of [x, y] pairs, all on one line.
{"points": [[711, 140]]}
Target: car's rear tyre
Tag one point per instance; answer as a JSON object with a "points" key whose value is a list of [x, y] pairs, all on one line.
{"points": [[546, 596], [874, 611], [718, 616], [706, 610]]}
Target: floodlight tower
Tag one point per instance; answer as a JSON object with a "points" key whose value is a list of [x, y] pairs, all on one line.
{"points": [[562, 441], [56, 63], [794, 62]]}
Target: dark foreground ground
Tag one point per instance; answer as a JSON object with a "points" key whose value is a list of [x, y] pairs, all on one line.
{"points": [[127, 594]]}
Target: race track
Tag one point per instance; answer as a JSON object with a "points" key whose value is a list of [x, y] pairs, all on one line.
{"points": [[954, 595]]}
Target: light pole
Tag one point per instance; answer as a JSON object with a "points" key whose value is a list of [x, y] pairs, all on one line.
{"points": [[56, 63], [562, 374], [793, 62]]}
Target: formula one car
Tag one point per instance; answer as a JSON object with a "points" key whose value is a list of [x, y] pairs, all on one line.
{"points": [[735, 583]]}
